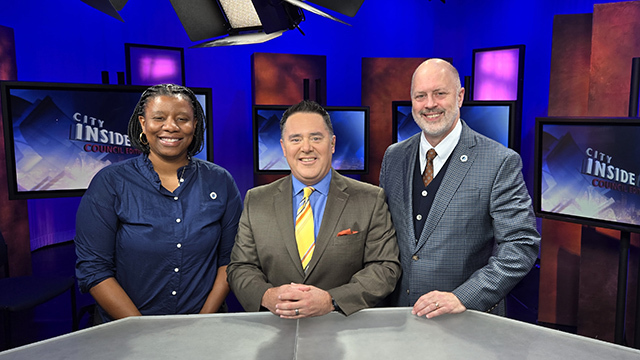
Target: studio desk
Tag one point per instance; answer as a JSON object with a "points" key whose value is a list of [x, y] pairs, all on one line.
{"points": [[383, 333]]}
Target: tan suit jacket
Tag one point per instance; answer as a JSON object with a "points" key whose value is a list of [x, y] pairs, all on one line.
{"points": [[358, 270]]}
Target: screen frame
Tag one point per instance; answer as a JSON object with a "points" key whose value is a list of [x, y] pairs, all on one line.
{"points": [[168, 49], [515, 123], [520, 85], [394, 117], [7, 86], [367, 120], [537, 170]]}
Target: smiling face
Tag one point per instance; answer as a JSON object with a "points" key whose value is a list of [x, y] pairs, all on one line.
{"points": [[308, 147], [169, 125], [436, 98]]}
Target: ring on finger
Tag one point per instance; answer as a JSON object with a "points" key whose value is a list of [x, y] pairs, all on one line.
{"points": [[437, 306], [297, 311]]}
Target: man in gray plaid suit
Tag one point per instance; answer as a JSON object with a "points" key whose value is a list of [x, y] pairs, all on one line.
{"points": [[464, 222]]}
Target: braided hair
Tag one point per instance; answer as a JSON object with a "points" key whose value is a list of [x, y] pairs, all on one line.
{"points": [[135, 129]]}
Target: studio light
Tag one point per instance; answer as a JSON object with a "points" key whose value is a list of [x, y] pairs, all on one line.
{"points": [[235, 22], [230, 21]]}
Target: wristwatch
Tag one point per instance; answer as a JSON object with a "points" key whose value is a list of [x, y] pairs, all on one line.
{"points": [[335, 305]]}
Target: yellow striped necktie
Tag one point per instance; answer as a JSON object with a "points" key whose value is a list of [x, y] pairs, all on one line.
{"points": [[305, 237]]}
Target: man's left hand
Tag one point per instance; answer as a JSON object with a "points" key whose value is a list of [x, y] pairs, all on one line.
{"points": [[436, 303]]}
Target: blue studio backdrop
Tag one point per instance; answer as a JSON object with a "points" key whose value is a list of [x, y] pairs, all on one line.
{"points": [[71, 42]]}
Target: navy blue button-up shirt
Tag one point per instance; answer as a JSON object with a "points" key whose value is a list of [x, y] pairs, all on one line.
{"points": [[164, 248]]}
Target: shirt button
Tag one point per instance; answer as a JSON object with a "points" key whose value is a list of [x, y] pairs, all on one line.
{"points": [[408, 291], [176, 269], [419, 217], [179, 246], [175, 198], [415, 257], [424, 193], [173, 292], [178, 220]]}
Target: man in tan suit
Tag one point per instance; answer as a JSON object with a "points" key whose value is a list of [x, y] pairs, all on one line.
{"points": [[354, 259]]}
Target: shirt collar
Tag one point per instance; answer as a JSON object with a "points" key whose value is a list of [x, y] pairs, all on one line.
{"points": [[321, 186], [146, 168], [445, 147]]}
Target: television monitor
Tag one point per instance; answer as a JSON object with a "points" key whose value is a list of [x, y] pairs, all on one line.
{"points": [[58, 135], [497, 120], [151, 65], [350, 126], [587, 171], [497, 73]]}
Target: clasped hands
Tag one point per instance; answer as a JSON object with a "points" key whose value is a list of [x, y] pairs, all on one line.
{"points": [[296, 301], [436, 303]]}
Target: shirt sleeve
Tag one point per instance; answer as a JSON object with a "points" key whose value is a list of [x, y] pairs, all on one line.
{"points": [[245, 276], [229, 221], [96, 226], [516, 237]]}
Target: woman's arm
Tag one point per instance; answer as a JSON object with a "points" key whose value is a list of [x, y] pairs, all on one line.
{"points": [[97, 224], [112, 298], [218, 293]]}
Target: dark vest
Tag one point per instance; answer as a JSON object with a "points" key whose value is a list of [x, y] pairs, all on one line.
{"points": [[421, 203]]}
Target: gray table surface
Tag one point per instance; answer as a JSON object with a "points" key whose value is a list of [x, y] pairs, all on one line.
{"points": [[384, 333]]}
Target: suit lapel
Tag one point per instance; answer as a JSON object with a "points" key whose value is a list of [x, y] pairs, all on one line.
{"points": [[460, 162], [336, 202], [283, 201]]}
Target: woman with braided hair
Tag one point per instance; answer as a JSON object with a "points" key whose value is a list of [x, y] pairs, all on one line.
{"points": [[154, 233]]}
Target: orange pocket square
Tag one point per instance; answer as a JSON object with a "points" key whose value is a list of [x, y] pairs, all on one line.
{"points": [[347, 232]]}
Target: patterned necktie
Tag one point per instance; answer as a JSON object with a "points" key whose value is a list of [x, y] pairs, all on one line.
{"points": [[305, 237], [427, 175]]}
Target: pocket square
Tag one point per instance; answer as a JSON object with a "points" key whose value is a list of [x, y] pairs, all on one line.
{"points": [[347, 232]]}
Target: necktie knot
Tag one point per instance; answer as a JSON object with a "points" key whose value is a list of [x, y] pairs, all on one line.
{"points": [[307, 191], [431, 154]]}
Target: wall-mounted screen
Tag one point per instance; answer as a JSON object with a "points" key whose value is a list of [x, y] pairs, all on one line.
{"points": [[497, 120], [57, 136], [350, 126], [497, 73], [152, 65], [587, 171]]}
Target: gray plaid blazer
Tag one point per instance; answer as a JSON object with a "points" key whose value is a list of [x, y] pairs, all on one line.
{"points": [[480, 237]]}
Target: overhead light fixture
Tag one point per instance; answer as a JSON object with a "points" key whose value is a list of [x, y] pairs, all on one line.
{"points": [[236, 22], [231, 20]]}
